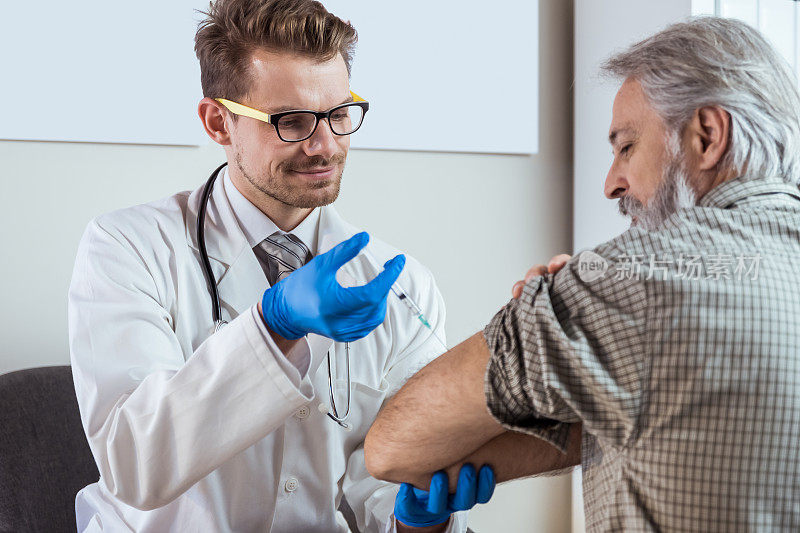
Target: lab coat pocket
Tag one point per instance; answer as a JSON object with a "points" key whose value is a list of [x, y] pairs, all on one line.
{"points": [[365, 402]]}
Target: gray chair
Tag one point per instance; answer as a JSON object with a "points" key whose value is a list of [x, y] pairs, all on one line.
{"points": [[44, 456]]}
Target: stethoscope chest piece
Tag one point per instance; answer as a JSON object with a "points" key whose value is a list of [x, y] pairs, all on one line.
{"points": [[325, 410], [334, 412]]}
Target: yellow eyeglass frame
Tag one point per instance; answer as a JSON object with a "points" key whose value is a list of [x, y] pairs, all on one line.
{"points": [[273, 119], [243, 110]]}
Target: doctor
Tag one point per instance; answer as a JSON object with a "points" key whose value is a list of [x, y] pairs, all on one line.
{"points": [[197, 430]]}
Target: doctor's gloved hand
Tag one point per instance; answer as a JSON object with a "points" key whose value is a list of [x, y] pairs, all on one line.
{"points": [[419, 508], [310, 300]]}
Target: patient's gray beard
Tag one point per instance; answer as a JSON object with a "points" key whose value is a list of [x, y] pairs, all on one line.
{"points": [[672, 194]]}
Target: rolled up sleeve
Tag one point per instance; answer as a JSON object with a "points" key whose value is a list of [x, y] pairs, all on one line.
{"points": [[570, 349]]}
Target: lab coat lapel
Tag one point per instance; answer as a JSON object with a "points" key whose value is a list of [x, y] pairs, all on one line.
{"points": [[240, 279]]}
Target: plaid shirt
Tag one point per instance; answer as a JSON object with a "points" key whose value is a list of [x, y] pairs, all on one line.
{"points": [[679, 350]]}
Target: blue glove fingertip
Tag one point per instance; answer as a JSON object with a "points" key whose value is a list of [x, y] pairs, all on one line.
{"points": [[391, 271], [346, 250], [405, 491], [398, 261], [360, 240], [437, 498], [486, 484], [376, 290], [466, 488], [466, 473]]}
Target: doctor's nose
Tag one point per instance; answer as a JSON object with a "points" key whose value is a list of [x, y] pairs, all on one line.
{"points": [[322, 142]]}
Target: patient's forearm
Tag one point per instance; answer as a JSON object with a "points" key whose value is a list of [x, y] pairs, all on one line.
{"points": [[517, 455], [513, 456]]}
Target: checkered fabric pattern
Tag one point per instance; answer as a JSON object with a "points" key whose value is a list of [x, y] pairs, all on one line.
{"points": [[679, 350]]}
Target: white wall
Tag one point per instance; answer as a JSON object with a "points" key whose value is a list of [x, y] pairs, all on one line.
{"points": [[478, 221]]}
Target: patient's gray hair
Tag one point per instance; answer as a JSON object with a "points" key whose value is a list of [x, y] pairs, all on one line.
{"points": [[710, 61]]}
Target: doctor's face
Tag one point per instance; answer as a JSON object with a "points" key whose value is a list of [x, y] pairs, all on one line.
{"points": [[298, 174]]}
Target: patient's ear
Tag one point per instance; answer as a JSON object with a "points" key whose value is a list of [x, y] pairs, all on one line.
{"points": [[212, 115], [707, 136]]}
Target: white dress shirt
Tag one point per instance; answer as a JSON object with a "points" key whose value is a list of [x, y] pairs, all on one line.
{"points": [[256, 226], [200, 431]]}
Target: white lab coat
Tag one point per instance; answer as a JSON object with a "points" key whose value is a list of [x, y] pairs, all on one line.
{"points": [[196, 431]]}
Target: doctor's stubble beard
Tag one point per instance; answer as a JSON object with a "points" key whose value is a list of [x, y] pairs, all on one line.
{"points": [[673, 193], [275, 187]]}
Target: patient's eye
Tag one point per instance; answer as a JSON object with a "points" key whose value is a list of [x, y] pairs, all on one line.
{"points": [[625, 149]]}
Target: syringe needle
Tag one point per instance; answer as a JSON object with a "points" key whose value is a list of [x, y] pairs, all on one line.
{"points": [[403, 296], [441, 342]]}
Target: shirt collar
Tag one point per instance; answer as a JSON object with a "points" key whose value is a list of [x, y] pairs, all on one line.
{"points": [[728, 193], [257, 226]]}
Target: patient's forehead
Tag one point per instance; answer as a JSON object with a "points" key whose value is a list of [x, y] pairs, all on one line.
{"points": [[632, 114]]}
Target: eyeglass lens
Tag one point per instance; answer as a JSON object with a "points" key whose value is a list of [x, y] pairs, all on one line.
{"points": [[343, 120]]}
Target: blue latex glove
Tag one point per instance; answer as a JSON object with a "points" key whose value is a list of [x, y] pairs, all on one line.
{"points": [[310, 300], [419, 508]]}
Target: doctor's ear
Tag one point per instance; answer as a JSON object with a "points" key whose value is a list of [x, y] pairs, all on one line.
{"points": [[213, 114]]}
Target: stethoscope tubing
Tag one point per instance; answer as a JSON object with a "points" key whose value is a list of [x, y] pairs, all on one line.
{"points": [[216, 309]]}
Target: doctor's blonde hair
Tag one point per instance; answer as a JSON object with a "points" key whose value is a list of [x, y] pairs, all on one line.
{"points": [[234, 29]]}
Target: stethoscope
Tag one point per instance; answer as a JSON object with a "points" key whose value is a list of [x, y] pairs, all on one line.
{"points": [[216, 309]]}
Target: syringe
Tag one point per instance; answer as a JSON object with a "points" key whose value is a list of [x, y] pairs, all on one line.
{"points": [[404, 297]]}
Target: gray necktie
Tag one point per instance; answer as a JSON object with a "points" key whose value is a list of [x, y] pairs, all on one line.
{"points": [[280, 254]]}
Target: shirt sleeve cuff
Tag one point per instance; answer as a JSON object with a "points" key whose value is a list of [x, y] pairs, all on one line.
{"points": [[293, 365], [502, 404]]}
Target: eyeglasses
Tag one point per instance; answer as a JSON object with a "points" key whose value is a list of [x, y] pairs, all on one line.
{"points": [[296, 126]]}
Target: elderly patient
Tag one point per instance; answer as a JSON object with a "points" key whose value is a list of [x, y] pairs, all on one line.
{"points": [[667, 360]]}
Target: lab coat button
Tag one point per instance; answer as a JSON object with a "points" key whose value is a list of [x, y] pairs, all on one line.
{"points": [[291, 484], [303, 412]]}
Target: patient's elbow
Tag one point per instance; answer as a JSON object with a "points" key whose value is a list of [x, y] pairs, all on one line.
{"points": [[386, 459], [377, 461]]}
